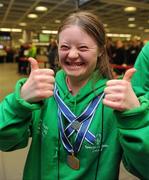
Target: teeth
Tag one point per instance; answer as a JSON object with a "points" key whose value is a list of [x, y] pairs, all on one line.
{"points": [[74, 64]]}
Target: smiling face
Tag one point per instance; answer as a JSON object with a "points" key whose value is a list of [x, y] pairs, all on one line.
{"points": [[78, 53]]}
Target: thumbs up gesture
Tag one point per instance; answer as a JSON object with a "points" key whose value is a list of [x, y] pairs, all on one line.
{"points": [[119, 94], [39, 85]]}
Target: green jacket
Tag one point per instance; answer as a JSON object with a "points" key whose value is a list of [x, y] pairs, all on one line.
{"points": [[140, 80], [118, 135]]}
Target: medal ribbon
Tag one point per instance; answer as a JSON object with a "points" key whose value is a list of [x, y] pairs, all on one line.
{"points": [[85, 120], [88, 112]]}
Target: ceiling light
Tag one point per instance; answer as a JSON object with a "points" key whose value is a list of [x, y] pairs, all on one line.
{"points": [[118, 35], [32, 16], [130, 9], [10, 30], [131, 19], [22, 24], [131, 25], [16, 30], [5, 29], [57, 21], [105, 25], [1, 4], [41, 8], [49, 32], [146, 30], [125, 35]]}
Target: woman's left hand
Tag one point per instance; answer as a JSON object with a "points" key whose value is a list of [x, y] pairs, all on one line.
{"points": [[119, 94]]}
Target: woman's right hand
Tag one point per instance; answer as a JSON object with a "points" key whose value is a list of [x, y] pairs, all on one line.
{"points": [[39, 85]]}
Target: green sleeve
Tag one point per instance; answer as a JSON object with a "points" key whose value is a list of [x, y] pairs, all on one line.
{"points": [[133, 128], [15, 120], [140, 80]]}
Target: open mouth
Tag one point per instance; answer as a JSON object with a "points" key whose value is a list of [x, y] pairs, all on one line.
{"points": [[74, 63]]}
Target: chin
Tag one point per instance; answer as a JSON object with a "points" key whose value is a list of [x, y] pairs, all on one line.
{"points": [[71, 74], [70, 70]]}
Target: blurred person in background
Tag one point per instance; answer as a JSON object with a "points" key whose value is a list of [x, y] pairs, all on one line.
{"points": [[22, 59], [132, 52], [10, 54], [119, 57], [110, 49], [52, 54], [32, 50], [119, 54]]}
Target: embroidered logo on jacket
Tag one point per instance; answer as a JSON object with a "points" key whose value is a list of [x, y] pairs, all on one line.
{"points": [[42, 128], [98, 146]]}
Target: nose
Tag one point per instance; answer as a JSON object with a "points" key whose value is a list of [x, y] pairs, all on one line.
{"points": [[73, 53]]}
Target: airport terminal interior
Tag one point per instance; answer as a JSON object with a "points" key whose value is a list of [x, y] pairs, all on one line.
{"points": [[27, 28]]}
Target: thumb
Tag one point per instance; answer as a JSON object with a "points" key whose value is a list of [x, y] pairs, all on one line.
{"points": [[34, 63], [128, 74]]}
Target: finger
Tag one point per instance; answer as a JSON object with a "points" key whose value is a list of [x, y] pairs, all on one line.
{"points": [[46, 72], [113, 97], [34, 63], [46, 80], [49, 87], [113, 105], [114, 82], [113, 89], [128, 74]]}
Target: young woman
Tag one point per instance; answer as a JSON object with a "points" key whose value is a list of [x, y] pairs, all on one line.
{"points": [[81, 122]]}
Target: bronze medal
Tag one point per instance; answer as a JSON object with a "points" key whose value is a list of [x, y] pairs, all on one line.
{"points": [[73, 162]]}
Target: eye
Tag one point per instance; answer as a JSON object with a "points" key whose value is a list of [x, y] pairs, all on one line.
{"points": [[83, 48], [64, 47]]}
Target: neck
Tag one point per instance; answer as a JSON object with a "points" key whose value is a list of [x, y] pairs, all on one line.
{"points": [[74, 85]]}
